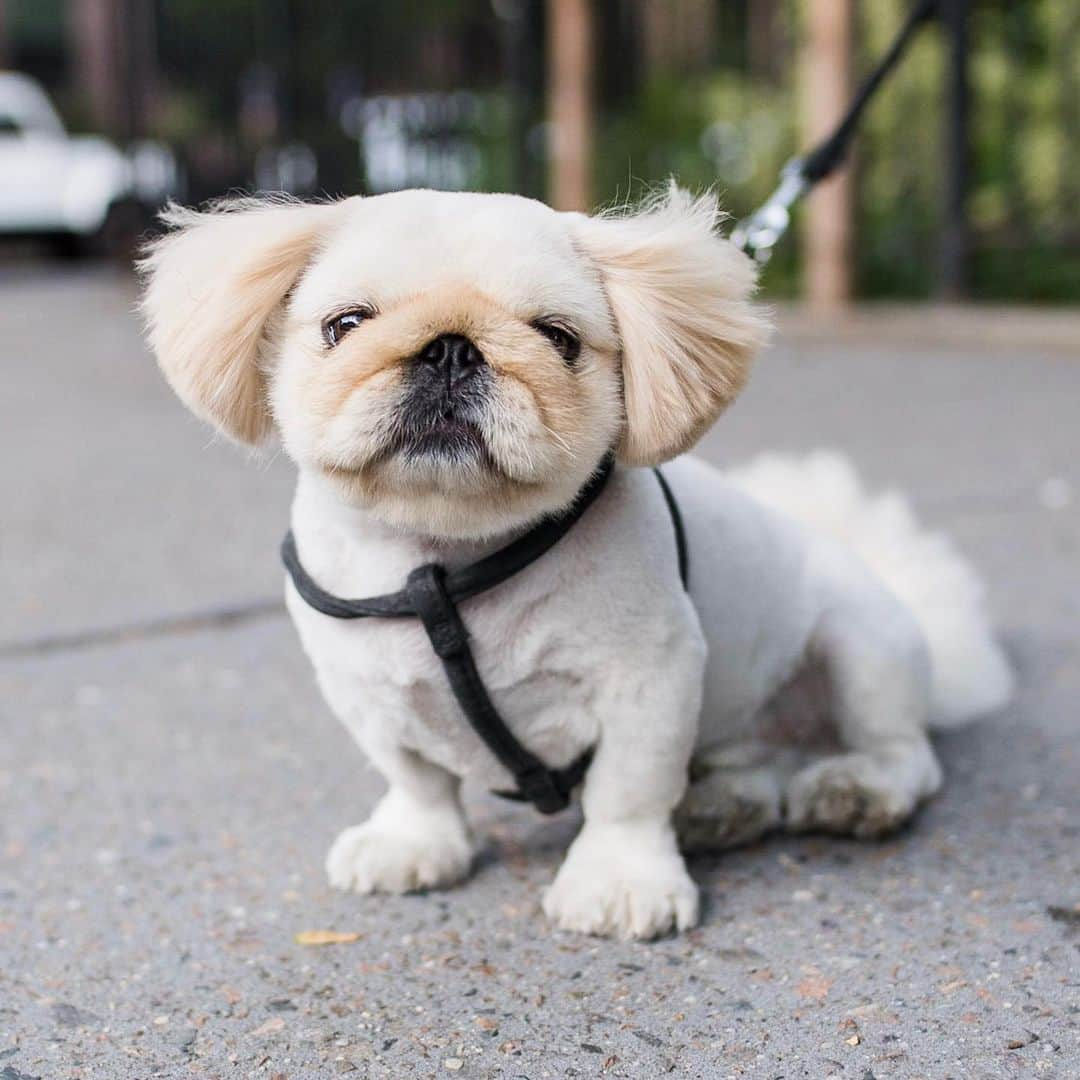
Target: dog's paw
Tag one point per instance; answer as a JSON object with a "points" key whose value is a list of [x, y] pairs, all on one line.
{"points": [[622, 881], [855, 795], [726, 808], [375, 857]]}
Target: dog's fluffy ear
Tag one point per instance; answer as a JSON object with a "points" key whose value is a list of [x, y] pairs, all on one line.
{"points": [[680, 297], [214, 284]]}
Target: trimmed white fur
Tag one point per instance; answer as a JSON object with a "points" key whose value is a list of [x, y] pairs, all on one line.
{"points": [[791, 687], [969, 673]]}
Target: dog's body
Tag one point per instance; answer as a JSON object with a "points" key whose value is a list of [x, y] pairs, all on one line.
{"points": [[598, 640], [794, 681]]}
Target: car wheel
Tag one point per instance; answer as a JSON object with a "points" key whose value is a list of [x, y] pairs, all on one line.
{"points": [[121, 231], [67, 246]]}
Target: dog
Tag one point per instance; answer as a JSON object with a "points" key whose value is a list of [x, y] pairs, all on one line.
{"points": [[448, 369]]}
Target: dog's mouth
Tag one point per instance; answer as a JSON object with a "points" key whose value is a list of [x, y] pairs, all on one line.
{"points": [[447, 442], [436, 437], [440, 422], [448, 437], [440, 446]]}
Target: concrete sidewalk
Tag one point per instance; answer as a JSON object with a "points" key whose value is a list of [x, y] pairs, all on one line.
{"points": [[170, 779]]}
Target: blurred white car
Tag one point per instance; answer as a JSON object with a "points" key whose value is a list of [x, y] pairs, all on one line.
{"points": [[76, 188]]}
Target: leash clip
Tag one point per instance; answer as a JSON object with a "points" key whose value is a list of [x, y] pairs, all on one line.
{"points": [[759, 233]]}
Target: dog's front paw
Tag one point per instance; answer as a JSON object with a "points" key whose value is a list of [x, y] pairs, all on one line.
{"points": [[623, 881], [375, 857]]}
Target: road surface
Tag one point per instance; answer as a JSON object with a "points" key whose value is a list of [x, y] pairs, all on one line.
{"points": [[170, 779]]}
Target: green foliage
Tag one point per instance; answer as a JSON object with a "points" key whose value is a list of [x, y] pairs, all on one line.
{"points": [[1024, 154], [718, 131], [899, 158]]}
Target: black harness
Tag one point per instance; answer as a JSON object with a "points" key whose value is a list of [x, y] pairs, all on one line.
{"points": [[432, 593]]}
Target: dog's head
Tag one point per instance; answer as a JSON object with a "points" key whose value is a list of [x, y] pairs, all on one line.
{"points": [[459, 364]]}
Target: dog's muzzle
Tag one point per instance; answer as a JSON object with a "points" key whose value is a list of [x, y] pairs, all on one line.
{"points": [[446, 394]]}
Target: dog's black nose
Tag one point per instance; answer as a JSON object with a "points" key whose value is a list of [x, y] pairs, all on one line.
{"points": [[454, 356]]}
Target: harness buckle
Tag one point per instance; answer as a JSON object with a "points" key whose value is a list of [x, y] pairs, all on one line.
{"points": [[541, 787], [426, 590]]}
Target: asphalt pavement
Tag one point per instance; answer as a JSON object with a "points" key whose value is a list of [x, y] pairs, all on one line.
{"points": [[170, 779]]}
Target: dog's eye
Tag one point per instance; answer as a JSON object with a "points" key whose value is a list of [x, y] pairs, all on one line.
{"points": [[335, 328], [566, 342]]}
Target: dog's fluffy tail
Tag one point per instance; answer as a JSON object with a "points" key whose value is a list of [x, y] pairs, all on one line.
{"points": [[970, 675]]}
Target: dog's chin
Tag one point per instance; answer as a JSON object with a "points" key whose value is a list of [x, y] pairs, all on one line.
{"points": [[445, 483]]}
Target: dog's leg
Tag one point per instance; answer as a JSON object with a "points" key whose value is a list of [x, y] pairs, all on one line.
{"points": [[624, 875], [879, 674], [417, 836]]}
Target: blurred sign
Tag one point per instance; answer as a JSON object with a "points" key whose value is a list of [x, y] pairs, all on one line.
{"points": [[419, 140], [292, 168]]}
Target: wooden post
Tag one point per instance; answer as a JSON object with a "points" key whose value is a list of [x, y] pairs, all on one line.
{"points": [[569, 48], [826, 77]]}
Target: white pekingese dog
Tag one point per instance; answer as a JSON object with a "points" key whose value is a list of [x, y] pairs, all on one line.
{"points": [[446, 370]]}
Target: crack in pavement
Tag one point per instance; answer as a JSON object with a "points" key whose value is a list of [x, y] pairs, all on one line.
{"points": [[212, 618], [226, 616]]}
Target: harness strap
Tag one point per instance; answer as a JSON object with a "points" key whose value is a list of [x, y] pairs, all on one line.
{"points": [[548, 789], [677, 525], [461, 584], [431, 594]]}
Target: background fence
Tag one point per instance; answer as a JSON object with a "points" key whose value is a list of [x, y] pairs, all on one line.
{"points": [[348, 95]]}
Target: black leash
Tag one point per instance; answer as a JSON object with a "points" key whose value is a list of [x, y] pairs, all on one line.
{"points": [[432, 594], [759, 233]]}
